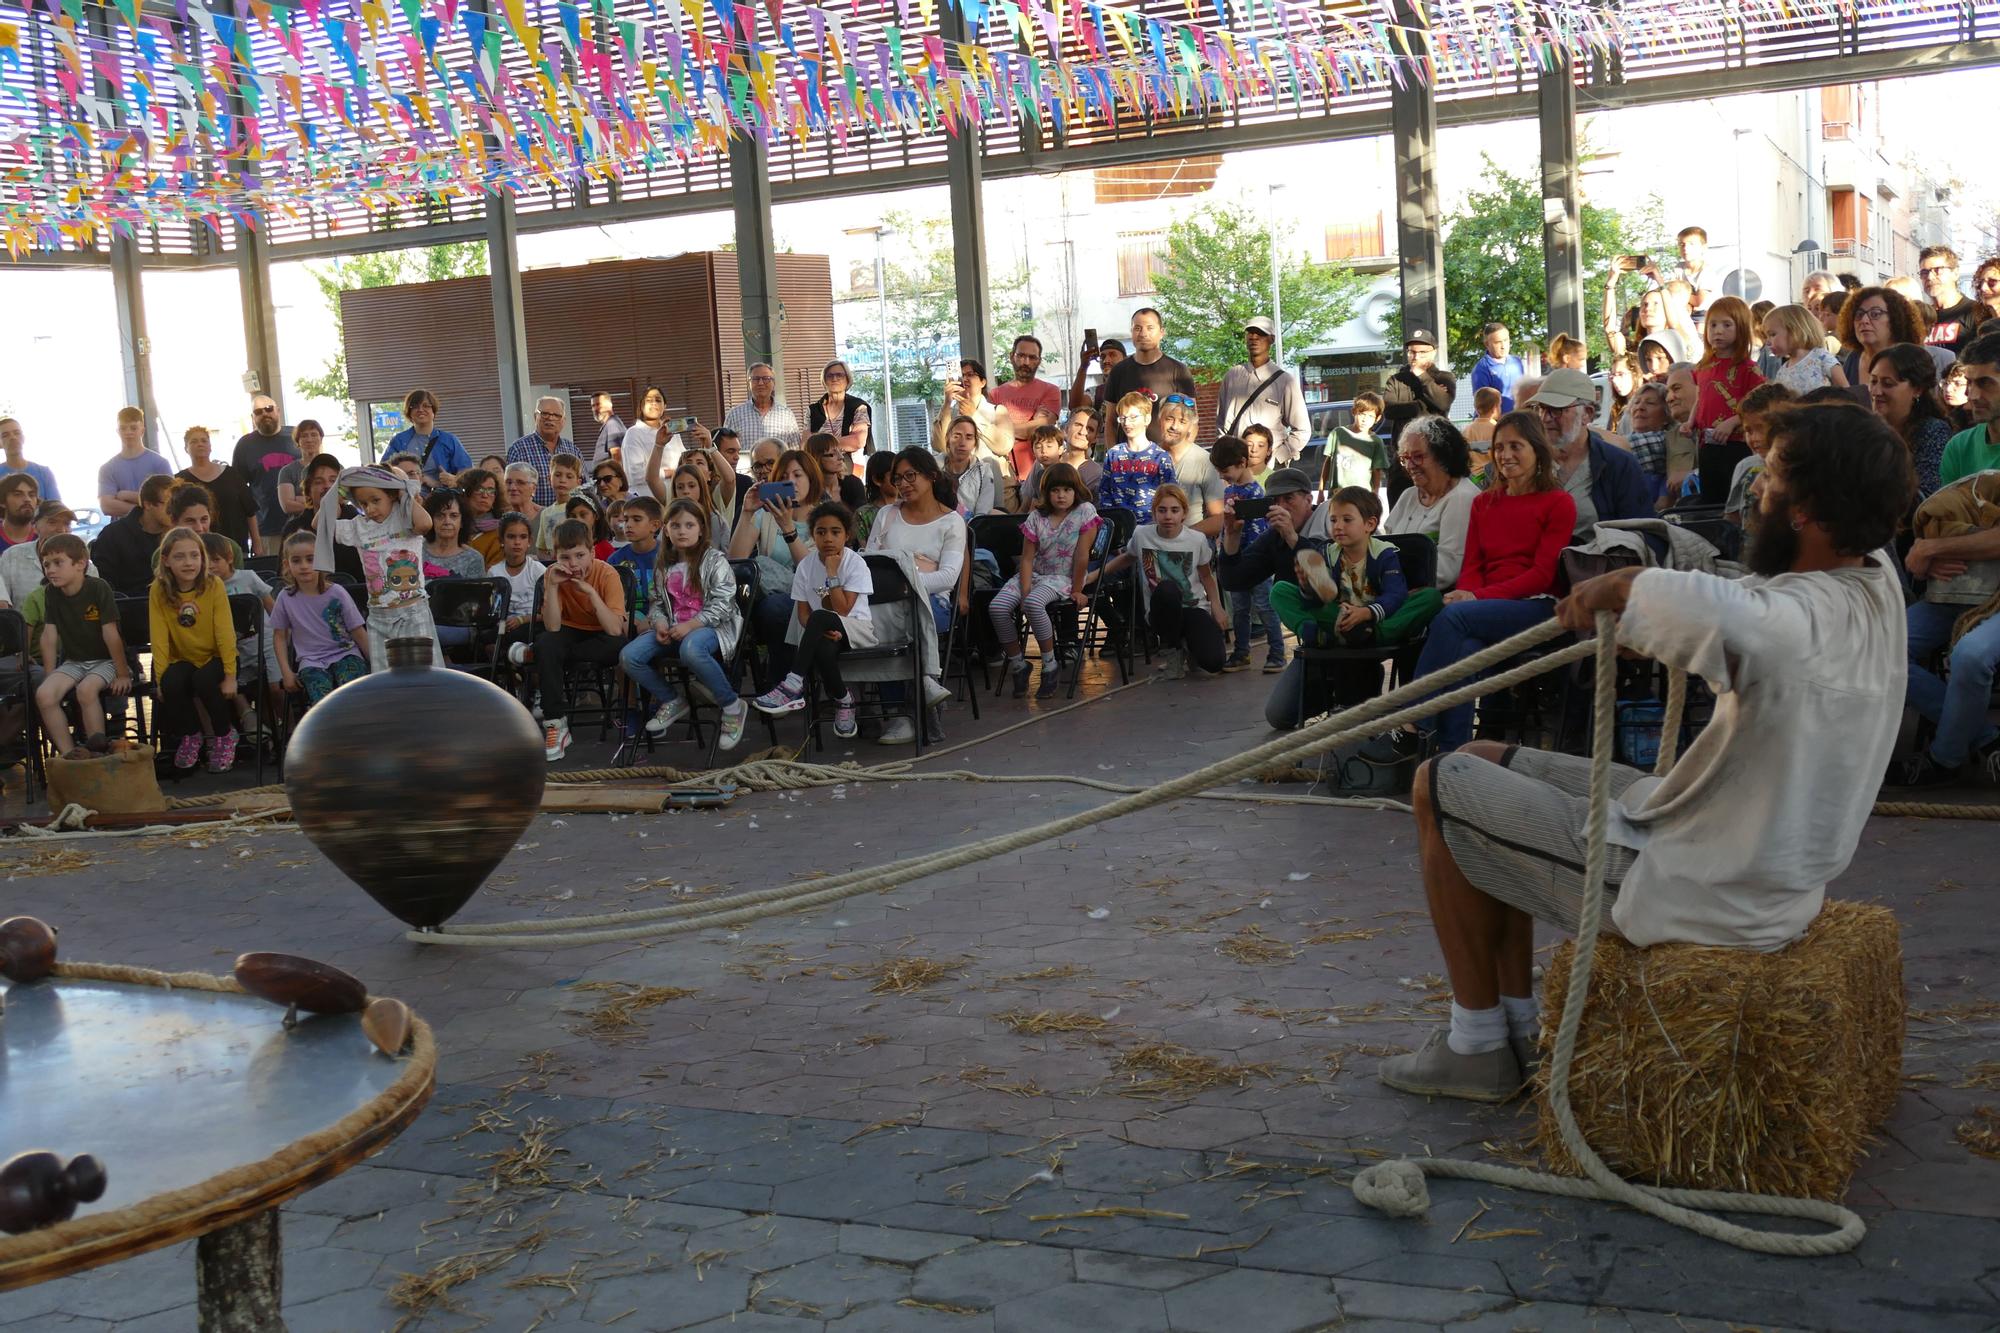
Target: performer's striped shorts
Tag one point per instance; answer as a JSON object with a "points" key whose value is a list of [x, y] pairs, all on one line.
{"points": [[1516, 829]]}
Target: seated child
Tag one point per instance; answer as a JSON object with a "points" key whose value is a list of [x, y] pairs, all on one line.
{"points": [[692, 617], [82, 623], [316, 621], [565, 476], [1055, 552], [523, 574], [194, 654], [1183, 604], [1231, 457], [1348, 587], [1047, 442], [258, 665], [830, 594], [583, 620], [639, 555]]}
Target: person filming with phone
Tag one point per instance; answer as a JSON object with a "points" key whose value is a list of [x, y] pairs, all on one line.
{"points": [[774, 533]]}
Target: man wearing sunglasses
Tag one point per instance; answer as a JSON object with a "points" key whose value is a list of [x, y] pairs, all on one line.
{"points": [[1149, 368]]}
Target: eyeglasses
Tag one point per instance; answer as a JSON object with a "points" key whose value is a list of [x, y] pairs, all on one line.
{"points": [[1549, 410], [1932, 272], [1413, 460], [1871, 313], [609, 478], [904, 479], [1990, 282]]}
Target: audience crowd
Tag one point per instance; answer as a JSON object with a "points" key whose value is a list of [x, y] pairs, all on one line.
{"points": [[656, 561]]}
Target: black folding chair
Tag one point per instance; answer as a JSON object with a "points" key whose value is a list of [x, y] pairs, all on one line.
{"points": [[1419, 557], [477, 605], [135, 627], [1096, 634], [246, 609], [266, 567], [17, 687], [891, 589]]}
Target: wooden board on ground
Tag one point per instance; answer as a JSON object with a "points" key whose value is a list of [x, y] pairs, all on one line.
{"points": [[604, 800]]}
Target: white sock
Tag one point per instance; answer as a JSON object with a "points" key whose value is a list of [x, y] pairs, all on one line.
{"points": [[1524, 1015], [793, 683], [1477, 1031], [1014, 660], [1048, 661]]}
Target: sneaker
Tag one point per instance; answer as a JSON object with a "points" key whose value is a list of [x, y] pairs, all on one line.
{"points": [[898, 731], [517, 653], [1173, 664], [934, 693], [251, 724], [555, 738], [1019, 671], [778, 700], [1236, 664], [188, 753], [1273, 664], [670, 712], [733, 718], [222, 753], [1986, 763], [845, 723], [1436, 1070], [1312, 568], [1051, 683], [1920, 770]]}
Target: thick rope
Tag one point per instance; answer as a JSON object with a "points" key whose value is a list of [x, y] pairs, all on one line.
{"points": [[1670, 723], [1398, 1187], [1407, 703], [181, 1212]]}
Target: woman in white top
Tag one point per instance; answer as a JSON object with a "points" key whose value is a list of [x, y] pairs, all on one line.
{"points": [[934, 536], [1438, 503], [637, 448]]}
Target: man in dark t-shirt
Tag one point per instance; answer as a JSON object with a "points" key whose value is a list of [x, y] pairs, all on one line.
{"points": [[1958, 316], [1148, 367], [260, 456]]}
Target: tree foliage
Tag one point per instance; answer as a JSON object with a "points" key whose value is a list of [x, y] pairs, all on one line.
{"points": [[1216, 273], [465, 259], [1493, 262], [918, 275]]}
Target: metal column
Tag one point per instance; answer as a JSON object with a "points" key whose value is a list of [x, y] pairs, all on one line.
{"points": [[1419, 242], [510, 328], [968, 221], [134, 348], [756, 260], [1562, 226], [260, 316]]}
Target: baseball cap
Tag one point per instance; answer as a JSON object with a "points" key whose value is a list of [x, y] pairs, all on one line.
{"points": [[1420, 336], [54, 509], [1285, 481], [1565, 388], [1263, 325]]}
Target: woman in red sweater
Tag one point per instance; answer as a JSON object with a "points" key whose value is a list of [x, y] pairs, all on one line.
{"points": [[1519, 526]]}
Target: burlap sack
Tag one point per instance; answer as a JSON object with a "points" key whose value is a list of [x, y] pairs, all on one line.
{"points": [[119, 783]]}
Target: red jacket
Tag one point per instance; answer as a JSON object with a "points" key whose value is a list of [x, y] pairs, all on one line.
{"points": [[1721, 386], [1513, 543]]}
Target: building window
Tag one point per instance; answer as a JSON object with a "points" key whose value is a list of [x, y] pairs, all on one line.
{"points": [[1356, 239], [1839, 111], [1141, 256]]}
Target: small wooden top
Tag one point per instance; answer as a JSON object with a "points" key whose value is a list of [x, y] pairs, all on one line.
{"points": [[178, 1090]]}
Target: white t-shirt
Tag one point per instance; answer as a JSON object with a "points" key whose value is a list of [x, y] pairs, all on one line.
{"points": [[637, 452], [942, 541], [521, 595], [809, 582], [1737, 843], [1178, 559], [1444, 522]]}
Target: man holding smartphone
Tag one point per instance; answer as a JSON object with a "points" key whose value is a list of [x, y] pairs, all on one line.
{"points": [[1106, 355]]}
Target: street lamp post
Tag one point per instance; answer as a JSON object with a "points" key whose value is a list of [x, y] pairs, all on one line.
{"points": [[882, 318], [1277, 311]]}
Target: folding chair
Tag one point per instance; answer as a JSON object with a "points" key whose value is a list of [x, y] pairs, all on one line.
{"points": [[478, 605], [891, 589], [17, 687], [1419, 557], [1095, 636], [246, 609], [269, 568], [957, 651], [135, 627]]}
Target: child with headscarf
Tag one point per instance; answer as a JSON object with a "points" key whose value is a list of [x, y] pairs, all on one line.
{"points": [[388, 534]]}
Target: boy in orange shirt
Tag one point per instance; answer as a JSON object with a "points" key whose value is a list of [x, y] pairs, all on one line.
{"points": [[583, 620]]}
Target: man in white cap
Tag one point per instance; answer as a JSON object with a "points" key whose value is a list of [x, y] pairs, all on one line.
{"points": [[1605, 481], [1261, 393]]}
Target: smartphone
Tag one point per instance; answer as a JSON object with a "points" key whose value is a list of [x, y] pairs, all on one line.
{"points": [[1249, 510], [675, 425], [1090, 338], [770, 492], [1639, 263]]}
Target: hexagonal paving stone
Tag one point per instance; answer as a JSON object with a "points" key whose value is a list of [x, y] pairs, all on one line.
{"points": [[1282, 1302], [1083, 1305], [986, 1275]]}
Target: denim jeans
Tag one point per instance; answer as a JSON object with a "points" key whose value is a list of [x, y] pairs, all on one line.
{"points": [[1459, 631], [1240, 604], [1957, 707], [700, 652]]}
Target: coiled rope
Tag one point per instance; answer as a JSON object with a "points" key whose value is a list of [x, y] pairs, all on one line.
{"points": [[1407, 703], [1398, 1187]]}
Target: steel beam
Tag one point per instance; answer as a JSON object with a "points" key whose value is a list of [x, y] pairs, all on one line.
{"points": [[260, 316], [756, 257], [965, 175], [1562, 225], [135, 349], [510, 328], [1419, 239]]}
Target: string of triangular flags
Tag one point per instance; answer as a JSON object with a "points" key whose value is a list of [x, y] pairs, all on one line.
{"points": [[113, 119]]}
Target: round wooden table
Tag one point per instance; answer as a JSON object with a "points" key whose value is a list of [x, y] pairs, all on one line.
{"points": [[207, 1113]]}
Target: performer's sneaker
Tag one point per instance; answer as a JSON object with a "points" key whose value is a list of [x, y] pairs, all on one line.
{"points": [[1436, 1070]]}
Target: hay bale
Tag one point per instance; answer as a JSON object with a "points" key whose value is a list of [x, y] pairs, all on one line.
{"points": [[1723, 1069]]}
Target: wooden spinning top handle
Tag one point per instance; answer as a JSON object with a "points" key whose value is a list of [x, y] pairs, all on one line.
{"points": [[37, 1190]]}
